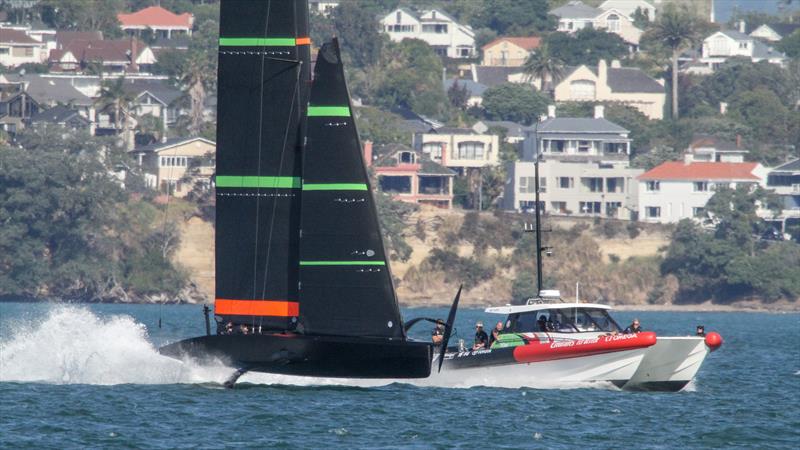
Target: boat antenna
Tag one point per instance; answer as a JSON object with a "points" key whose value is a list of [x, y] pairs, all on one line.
{"points": [[538, 226]]}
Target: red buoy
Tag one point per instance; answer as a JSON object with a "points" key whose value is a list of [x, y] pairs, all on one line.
{"points": [[713, 340]]}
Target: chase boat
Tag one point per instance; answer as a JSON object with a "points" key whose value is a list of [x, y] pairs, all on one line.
{"points": [[547, 341]]}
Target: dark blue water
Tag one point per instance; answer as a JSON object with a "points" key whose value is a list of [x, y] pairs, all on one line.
{"points": [[89, 376]]}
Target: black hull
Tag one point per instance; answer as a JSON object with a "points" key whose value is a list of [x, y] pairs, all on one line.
{"points": [[655, 386], [318, 356]]}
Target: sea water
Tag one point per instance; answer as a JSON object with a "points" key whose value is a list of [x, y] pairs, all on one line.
{"points": [[90, 376]]}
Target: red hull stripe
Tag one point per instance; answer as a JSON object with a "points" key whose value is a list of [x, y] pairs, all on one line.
{"points": [[275, 308], [537, 351]]}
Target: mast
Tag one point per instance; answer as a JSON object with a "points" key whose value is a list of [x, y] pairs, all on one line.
{"points": [[538, 227]]}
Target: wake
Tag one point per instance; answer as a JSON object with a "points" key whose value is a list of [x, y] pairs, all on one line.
{"points": [[72, 345]]}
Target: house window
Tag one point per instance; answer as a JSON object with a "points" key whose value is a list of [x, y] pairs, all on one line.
{"points": [[584, 146], [700, 186], [593, 184], [542, 184], [566, 182], [395, 185], [434, 149], [464, 52], [470, 150], [612, 208], [613, 23], [530, 206], [398, 17], [615, 148], [582, 89], [652, 186], [407, 158], [698, 212], [615, 185], [561, 207], [4, 50], [743, 45], [435, 28], [554, 146], [589, 207], [652, 212], [527, 185]]}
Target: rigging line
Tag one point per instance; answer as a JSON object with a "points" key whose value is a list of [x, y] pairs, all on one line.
{"points": [[166, 216], [260, 134]]}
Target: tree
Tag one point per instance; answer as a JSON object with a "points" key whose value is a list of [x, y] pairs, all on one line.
{"points": [[678, 30], [763, 112], [458, 95], [514, 17], [515, 102], [790, 45], [545, 66], [358, 31], [409, 75], [587, 46], [83, 15], [113, 94]]}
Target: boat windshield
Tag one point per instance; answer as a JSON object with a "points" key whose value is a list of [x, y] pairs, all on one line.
{"points": [[573, 320]]}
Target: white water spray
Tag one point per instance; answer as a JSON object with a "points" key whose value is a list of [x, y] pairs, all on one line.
{"points": [[72, 345]]}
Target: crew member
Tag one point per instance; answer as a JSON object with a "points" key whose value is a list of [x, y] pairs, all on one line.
{"points": [[633, 327], [701, 330], [495, 333], [437, 335], [542, 323], [481, 338]]}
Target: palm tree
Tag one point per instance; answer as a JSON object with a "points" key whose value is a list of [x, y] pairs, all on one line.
{"points": [[113, 94], [543, 65], [678, 30]]}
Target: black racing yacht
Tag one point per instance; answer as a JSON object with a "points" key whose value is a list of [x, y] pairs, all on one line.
{"points": [[303, 285]]}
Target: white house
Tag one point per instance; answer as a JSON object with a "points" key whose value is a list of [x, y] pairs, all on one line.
{"points": [[459, 148], [576, 15], [440, 31], [324, 7], [785, 181], [677, 190], [725, 44], [17, 48], [584, 168], [774, 32], [629, 7]]}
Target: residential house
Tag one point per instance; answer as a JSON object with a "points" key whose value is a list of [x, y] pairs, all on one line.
{"points": [[16, 107], [324, 7], [491, 76], [514, 132], [17, 48], [162, 22], [459, 148], [708, 148], [584, 169], [785, 181], [509, 51], [410, 176], [629, 7], [626, 85], [48, 92], [62, 115], [446, 36], [177, 165], [774, 32], [576, 15], [112, 56], [724, 44], [474, 90], [155, 97], [677, 190]]}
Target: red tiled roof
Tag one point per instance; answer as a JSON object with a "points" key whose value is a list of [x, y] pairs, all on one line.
{"points": [[528, 43], [155, 16], [65, 37], [9, 36], [678, 170]]}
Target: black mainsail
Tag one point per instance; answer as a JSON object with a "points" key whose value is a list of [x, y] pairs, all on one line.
{"points": [[263, 78], [301, 268]]}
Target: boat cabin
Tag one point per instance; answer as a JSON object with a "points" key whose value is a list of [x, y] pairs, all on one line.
{"points": [[557, 318]]}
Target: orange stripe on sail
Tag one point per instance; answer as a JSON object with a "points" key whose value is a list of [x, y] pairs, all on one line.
{"points": [[277, 308], [302, 41]]}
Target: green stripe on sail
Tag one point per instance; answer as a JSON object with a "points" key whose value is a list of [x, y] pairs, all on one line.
{"points": [[335, 187], [256, 42], [328, 111], [342, 263], [234, 181]]}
